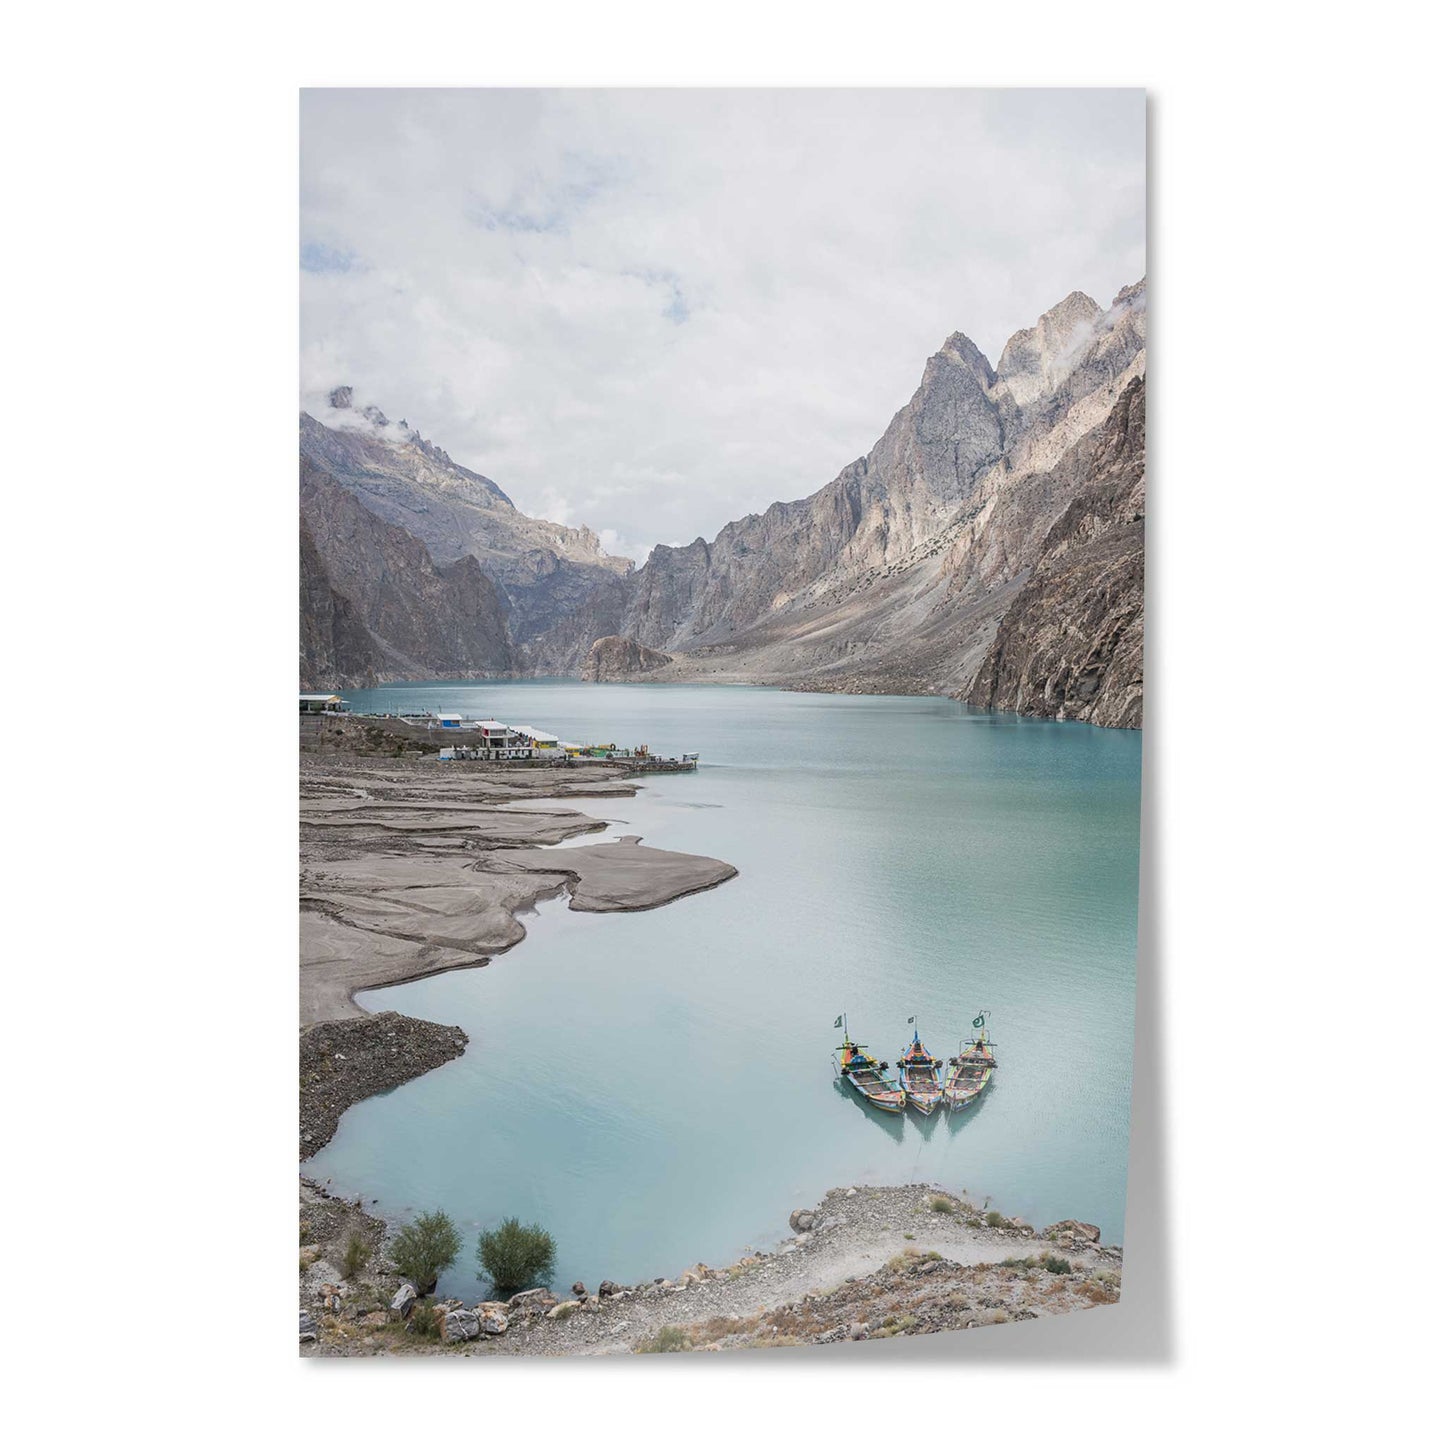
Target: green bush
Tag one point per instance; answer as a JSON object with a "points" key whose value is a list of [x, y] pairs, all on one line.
{"points": [[942, 1204], [425, 1247], [424, 1320], [358, 1251], [514, 1254], [994, 1219], [667, 1341], [1055, 1265]]}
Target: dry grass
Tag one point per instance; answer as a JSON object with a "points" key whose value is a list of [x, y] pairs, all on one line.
{"points": [[669, 1340]]}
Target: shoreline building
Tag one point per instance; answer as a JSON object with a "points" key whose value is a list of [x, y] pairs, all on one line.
{"points": [[323, 702]]}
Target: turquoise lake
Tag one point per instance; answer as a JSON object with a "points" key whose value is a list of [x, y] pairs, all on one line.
{"points": [[656, 1088]]}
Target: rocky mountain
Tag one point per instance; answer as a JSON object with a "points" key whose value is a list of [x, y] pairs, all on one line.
{"points": [[989, 546], [1071, 644], [895, 576], [617, 659], [543, 571], [376, 607]]}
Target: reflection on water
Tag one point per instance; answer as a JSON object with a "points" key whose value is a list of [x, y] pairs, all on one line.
{"points": [[657, 1088]]}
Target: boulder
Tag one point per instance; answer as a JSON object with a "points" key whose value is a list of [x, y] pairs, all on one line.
{"points": [[1075, 1228], [800, 1221], [460, 1325], [532, 1301], [404, 1299], [308, 1329], [609, 1287], [857, 1330], [579, 1289], [492, 1322]]}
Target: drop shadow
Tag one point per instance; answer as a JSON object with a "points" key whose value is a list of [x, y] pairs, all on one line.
{"points": [[925, 1123], [958, 1118], [891, 1124]]}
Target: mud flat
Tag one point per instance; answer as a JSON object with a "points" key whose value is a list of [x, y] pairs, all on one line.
{"points": [[412, 867], [865, 1263]]}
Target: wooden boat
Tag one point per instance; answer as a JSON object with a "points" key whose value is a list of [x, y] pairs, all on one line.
{"points": [[918, 1073], [869, 1077], [969, 1072]]}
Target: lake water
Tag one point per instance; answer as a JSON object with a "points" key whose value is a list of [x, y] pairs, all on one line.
{"points": [[656, 1087]]}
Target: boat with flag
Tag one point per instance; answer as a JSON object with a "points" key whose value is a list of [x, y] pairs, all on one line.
{"points": [[971, 1069], [918, 1072], [870, 1078]]}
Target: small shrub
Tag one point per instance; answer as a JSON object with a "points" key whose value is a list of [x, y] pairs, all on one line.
{"points": [[941, 1204], [1055, 1265], [994, 1219], [908, 1236], [425, 1320], [514, 1254], [669, 1340], [425, 1247], [358, 1251]]}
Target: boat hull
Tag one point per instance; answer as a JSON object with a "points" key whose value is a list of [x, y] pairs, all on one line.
{"points": [[960, 1090], [887, 1102]]}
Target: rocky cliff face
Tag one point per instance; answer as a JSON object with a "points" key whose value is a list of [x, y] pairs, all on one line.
{"points": [[894, 576], [376, 607], [620, 659], [544, 571], [1071, 644]]}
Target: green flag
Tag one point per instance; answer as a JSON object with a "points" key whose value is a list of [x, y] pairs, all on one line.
{"points": [[838, 1022], [978, 1022]]}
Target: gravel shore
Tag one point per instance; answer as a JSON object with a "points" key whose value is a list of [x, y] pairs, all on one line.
{"points": [[347, 1060], [866, 1263]]}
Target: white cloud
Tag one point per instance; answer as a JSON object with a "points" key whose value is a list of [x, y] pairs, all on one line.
{"points": [[653, 311]]}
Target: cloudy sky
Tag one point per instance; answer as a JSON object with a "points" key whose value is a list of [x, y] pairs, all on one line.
{"points": [[655, 311]]}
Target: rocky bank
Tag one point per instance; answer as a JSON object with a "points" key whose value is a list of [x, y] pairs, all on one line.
{"points": [[866, 1263], [346, 1060]]}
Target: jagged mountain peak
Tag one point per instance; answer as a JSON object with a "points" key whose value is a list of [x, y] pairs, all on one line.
{"points": [[342, 414], [542, 569], [1132, 296], [1060, 334], [961, 351]]}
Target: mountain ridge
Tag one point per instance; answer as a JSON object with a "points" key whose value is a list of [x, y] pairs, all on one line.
{"points": [[897, 575]]}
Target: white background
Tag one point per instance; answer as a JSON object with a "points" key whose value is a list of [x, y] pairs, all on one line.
{"points": [[1283, 1265]]}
